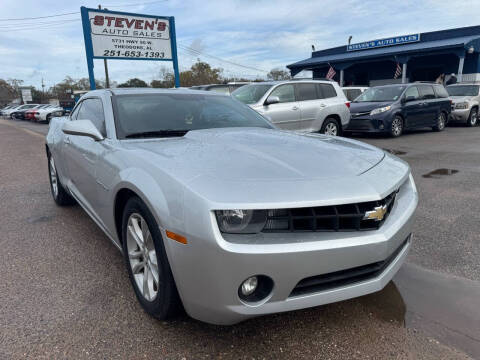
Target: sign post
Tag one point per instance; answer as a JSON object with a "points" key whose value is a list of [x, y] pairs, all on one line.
{"points": [[126, 36]]}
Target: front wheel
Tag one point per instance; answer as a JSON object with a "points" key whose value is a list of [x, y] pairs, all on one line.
{"points": [[146, 261], [330, 127], [473, 117], [441, 122], [396, 129]]}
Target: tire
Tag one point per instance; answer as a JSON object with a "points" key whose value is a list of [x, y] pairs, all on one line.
{"points": [[49, 117], [396, 128], [441, 122], [59, 194], [330, 127], [158, 298], [473, 117]]}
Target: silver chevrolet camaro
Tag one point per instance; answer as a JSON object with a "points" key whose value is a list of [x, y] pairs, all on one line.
{"points": [[216, 210]]}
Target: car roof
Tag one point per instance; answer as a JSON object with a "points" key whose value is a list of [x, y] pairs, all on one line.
{"points": [[149, 91]]}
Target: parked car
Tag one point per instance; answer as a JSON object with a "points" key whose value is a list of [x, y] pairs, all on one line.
{"points": [[394, 108], [7, 112], [226, 89], [5, 108], [466, 99], [352, 92], [302, 105], [46, 113], [19, 114], [216, 209], [30, 114]]}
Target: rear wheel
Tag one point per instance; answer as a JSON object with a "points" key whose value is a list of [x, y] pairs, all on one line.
{"points": [[441, 122], [146, 261], [330, 127], [59, 194], [49, 117], [473, 117], [396, 129]]}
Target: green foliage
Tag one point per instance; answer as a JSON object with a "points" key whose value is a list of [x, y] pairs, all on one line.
{"points": [[135, 82]]}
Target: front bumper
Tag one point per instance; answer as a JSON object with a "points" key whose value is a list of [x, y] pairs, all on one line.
{"points": [[368, 124], [209, 272], [459, 115]]}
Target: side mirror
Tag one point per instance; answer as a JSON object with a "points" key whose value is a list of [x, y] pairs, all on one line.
{"points": [[272, 100], [82, 128]]}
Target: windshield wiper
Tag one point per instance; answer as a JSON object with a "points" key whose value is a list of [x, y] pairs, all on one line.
{"points": [[157, 133]]}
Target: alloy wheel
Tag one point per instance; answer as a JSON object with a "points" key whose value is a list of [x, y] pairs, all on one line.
{"points": [[53, 178], [397, 126], [331, 129], [142, 256], [441, 121], [473, 118]]}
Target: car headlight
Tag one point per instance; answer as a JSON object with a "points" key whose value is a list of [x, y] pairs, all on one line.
{"points": [[461, 105], [380, 110], [241, 221]]}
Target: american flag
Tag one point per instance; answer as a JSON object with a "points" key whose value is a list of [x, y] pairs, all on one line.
{"points": [[331, 73], [398, 71]]}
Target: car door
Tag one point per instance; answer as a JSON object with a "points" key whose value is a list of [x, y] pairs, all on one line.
{"points": [[81, 154], [413, 107], [286, 113], [309, 102], [431, 106]]}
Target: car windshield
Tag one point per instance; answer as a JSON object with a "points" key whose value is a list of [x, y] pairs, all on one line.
{"points": [[159, 115], [463, 90], [380, 94], [250, 94]]}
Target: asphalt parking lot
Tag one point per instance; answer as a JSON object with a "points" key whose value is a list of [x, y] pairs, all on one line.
{"points": [[65, 292]]}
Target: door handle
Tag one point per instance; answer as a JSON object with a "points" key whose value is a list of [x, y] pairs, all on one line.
{"points": [[295, 108], [322, 105], [66, 140]]}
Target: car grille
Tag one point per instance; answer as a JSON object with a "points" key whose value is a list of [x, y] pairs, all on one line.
{"points": [[348, 217], [341, 278], [355, 115], [360, 124]]}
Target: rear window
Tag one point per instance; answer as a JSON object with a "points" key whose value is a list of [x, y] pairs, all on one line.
{"points": [[352, 94], [307, 92], [440, 91], [327, 91], [426, 92]]}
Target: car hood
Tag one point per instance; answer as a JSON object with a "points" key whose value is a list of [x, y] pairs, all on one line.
{"points": [[361, 107], [458, 99], [257, 154]]}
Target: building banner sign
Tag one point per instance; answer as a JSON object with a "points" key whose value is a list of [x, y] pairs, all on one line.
{"points": [[126, 36], [397, 40]]}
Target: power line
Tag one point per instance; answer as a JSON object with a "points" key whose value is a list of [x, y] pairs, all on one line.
{"points": [[78, 12]]}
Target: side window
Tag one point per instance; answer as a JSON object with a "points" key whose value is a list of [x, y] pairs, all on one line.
{"points": [[92, 109], [440, 91], [412, 91], [286, 93], [426, 92], [75, 112], [328, 91], [307, 92]]}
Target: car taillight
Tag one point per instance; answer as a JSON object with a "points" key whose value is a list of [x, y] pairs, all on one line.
{"points": [[347, 104]]}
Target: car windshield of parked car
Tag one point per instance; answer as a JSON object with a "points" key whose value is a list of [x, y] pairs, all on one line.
{"points": [[250, 94], [463, 90], [163, 115], [380, 94]]}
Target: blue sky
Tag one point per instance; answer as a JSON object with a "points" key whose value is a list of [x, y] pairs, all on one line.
{"points": [[262, 34]]}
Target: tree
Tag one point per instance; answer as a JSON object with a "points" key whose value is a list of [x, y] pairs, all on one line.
{"points": [[278, 74], [7, 92], [135, 82]]}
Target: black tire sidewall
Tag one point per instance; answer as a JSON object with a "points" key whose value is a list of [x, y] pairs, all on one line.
{"points": [[469, 120], [391, 127], [328, 121], [166, 303], [63, 198]]}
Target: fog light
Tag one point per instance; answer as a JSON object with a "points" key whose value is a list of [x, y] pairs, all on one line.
{"points": [[249, 286]]}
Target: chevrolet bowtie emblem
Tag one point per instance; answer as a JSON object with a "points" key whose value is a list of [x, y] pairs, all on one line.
{"points": [[376, 214]]}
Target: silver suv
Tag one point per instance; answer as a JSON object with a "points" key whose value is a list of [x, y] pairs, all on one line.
{"points": [[302, 105], [465, 100]]}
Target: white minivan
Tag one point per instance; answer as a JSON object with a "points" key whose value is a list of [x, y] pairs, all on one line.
{"points": [[301, 105]]}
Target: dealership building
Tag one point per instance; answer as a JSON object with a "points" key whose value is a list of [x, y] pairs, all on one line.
{"points": [[415, 57]]}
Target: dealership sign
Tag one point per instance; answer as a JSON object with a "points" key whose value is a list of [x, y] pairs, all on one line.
{"points": [[26, 95], [397, 40], [126, 36]]}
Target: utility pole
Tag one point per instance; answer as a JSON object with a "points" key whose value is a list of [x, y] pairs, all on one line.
{"points": [[107, 80], [43, 90]]}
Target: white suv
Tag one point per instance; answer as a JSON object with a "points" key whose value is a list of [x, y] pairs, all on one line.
{"points": [[302, 105]]}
